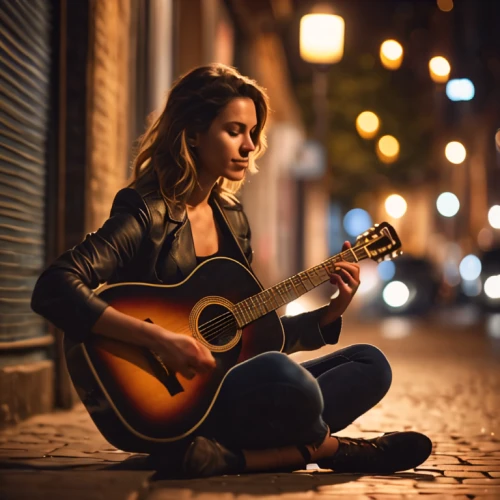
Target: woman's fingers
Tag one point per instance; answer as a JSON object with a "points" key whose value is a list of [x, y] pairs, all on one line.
{"points": [[348, 279], [352, 269], [349, 276], [341, 284]]}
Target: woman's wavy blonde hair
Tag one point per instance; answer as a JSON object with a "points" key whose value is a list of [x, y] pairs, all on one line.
{"points": [[193, 103]]}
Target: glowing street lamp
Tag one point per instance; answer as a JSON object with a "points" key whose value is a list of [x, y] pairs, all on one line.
{"points": [[455, 152], [322, 45], [391, 54], [387, 149], [322, 38], [367, 124]]}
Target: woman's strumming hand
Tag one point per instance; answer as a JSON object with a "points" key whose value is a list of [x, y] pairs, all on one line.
{"points": [[182, 353], [347, 280]]}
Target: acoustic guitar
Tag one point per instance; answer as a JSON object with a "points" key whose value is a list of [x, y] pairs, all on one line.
{"points": [[136, 401]]}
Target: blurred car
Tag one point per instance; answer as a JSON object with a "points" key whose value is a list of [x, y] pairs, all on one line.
{"points": [[411, 288]]}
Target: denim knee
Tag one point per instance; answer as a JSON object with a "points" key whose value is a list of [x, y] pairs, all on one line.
{"points": [[381, 369], [282, 370]]}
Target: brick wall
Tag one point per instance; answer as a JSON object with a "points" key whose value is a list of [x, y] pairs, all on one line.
{"points": [[108, 107]]}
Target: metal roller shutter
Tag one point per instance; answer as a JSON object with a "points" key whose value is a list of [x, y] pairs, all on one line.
{"points": [[24, 101]]}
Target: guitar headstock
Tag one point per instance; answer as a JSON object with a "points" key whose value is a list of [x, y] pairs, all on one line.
{"points": [[381, 242]]}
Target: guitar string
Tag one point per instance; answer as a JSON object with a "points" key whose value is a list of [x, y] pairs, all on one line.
{"points": [[223, 320], [226, 319], [214, 327], [288, 287]]}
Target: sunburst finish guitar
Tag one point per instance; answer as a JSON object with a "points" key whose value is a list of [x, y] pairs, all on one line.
{"points": [[135, 400]]}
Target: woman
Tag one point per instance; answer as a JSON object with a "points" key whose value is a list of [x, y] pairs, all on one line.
{"points": [[179, 210]]}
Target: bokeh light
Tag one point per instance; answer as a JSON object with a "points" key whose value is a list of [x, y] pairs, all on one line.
{"points": [[447, 204], [367, 124], [395, 206], [460, 89], [497, 140], [445, 5], [439, 69], [396, 294], [494, 216], [470, 267], [386, 270], [471, 288], [391, 54], [455, 152], [356, 221], [388, 149], [492, 287], [322, 38]]}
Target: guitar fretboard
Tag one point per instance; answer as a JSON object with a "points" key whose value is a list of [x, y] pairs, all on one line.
{"points": [[286, 291]]}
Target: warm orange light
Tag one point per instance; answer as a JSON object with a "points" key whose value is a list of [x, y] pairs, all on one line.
{"points": [[367, 124], [391, 54], [445, 5], [387, 149], [439, 69]]}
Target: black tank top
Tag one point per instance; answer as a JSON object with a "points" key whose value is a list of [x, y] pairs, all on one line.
{"points": [[227, 245]]}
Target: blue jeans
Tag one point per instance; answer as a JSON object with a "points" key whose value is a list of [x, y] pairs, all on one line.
{"points": [[272, 401]]}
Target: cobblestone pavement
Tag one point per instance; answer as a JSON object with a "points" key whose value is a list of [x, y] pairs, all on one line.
{"points": [[446, 384]]}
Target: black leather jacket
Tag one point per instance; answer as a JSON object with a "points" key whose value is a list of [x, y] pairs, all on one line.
{"points": [[147, 240]]}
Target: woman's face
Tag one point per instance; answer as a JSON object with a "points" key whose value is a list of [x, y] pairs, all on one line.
{"points": [[223, 150]]}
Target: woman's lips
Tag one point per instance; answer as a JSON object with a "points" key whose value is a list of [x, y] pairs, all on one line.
{"points": [[241, 163]]}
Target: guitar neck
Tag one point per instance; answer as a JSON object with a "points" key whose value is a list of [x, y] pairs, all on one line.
{"points": [[286, 291]]}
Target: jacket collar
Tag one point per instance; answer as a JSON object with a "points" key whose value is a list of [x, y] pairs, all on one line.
{"points": [[176, 212]]}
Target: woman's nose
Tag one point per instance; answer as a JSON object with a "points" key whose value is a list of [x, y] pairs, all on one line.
{"points": [[248, 144]]}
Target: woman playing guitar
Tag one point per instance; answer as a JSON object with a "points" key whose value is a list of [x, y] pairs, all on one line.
{"points": [[178, 212]]}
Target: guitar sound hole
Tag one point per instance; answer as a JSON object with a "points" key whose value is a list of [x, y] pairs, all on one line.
{"points": [[217, 325]]}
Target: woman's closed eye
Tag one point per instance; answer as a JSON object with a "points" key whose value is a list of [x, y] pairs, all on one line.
{"points": [[233, 133]]}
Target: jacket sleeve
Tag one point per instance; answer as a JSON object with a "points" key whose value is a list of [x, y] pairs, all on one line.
{"points": [[64, 293], [303, 333]]}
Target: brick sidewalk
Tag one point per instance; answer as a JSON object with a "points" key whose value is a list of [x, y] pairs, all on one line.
{"points": [[446, 384]]}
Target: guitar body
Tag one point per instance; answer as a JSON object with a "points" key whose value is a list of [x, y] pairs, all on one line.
{"points": [[135, 401]]}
